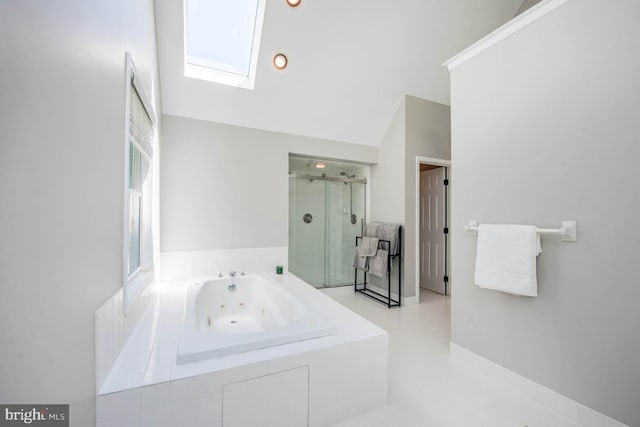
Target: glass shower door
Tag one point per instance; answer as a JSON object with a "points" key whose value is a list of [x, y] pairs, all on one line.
{"points": [[345, 218], [325, 216], [307, 218]]}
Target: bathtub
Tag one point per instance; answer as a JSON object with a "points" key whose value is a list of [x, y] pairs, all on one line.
{"points": [[224, 316]]}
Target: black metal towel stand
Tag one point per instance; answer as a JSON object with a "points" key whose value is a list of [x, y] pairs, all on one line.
{"points": [[385, 299]]}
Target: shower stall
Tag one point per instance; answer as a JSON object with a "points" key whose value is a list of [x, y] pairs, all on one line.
{"points": [[327, 211]]}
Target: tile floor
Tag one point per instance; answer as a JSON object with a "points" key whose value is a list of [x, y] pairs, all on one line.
{"points": [[426, 387]]}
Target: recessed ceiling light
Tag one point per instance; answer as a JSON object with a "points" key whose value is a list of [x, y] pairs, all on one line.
{"points": [[280, 61], [293, 3], [320, 165]]}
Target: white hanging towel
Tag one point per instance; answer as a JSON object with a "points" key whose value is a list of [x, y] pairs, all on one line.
{"points": [[506, 258]]}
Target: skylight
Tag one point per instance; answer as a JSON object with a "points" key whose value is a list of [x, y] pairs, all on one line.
{"points": [[222, 38]]}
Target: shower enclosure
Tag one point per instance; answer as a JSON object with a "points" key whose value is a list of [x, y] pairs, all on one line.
{"points": [[326, 213]]}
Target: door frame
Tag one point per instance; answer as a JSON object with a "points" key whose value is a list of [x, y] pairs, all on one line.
{"points": [[434, 162]]}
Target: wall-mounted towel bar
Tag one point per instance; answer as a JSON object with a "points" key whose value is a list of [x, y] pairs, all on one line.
{"points": [[568, 230]]}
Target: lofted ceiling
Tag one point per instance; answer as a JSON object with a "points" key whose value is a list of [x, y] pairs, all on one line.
{"points": [[350, 64]]}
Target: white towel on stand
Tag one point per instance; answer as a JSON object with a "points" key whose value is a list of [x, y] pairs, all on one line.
{"points": [[506, 258]]}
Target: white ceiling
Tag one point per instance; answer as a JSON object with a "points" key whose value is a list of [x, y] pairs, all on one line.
{"points": [[350, 64]]}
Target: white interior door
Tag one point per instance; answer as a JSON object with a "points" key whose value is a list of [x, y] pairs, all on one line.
{"points": [[432, 222]]}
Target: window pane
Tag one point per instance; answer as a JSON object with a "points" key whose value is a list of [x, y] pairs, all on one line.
{"points": [[132, 163], [135, 168], [134, 231], [138, 171], [220, 34]]}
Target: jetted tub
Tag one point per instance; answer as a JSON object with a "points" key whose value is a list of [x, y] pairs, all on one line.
{"points": [[225, 316]]}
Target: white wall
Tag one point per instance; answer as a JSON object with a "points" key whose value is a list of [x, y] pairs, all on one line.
{"points": [[387, 176], [428, 134], [419, 128], [225, 187], [545, 128], [387, 185], [61, 183], [527, 4]]}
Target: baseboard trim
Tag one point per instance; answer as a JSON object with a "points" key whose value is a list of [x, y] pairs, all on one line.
{"points": [[410, 300], [568, 407]]}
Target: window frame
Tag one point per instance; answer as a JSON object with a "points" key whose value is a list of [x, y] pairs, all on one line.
{"points": [[214, 75], [135, 282]]}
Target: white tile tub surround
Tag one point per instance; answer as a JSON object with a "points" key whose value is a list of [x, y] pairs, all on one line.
{"points": [[280, 399], [184, 264], [347, 372], [112, 329], [577, 412]]}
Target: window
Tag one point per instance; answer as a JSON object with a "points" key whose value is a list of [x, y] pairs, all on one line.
{"points": [[138, 239], [222, 38]]}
